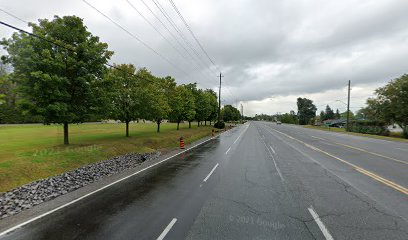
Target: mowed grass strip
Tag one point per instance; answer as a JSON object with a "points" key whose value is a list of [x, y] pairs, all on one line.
{"points": [[32, 152]]}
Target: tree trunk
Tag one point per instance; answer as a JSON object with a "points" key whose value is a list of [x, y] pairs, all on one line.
{"points": [[189, 124], [158, 125], [178, 125], [127, 128], [205, 123], [198, 123], [66, 141], [210, 122]]}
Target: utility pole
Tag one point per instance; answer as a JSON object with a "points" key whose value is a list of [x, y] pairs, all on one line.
{"points": [[348, 108], [219, 100], [242, 113]]}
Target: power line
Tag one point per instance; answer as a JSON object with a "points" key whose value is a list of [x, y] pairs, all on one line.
{"points": [[157, 30], [66, 48], [192, 33], [12, 15], [134, 36], [171, 34], [168, 18]]}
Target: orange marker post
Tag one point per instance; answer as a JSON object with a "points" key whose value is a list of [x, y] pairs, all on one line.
{"points": [[181, 143]]}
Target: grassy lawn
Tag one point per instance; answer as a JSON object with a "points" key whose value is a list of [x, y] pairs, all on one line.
{"points": [[393, 136], [32, 152]]}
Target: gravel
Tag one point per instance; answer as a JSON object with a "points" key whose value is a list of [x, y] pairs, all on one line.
{"points": [[34, 193]]}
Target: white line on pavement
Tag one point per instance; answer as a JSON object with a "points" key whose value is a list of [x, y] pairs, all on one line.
{"points": [[321, 225], [209, 175], [97, 190], [274, 163], [405, 150], [228, 150], [318, 138], [241, 134], [167, 229], [272, 150]]}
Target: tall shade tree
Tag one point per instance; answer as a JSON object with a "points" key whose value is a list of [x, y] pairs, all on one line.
{"points": [[56, 83], [213, 104], [306, 110], [329, 114], [203, 107], [192, 87], [182, 105], [230, 113], [123, 89], [157, 104], [393, 102]]}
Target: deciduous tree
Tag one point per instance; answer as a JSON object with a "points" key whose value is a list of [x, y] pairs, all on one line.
{"points": [[306, 110], [56, 83]]}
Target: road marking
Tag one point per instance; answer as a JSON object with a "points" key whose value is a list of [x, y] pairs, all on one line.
{"points": [[366, 151], [209, 175], [357, 168], [228, 150], [241, 134], [405, 150], [167, 229], [318, 138], [274, 163], [99, 189], [321, 225], [272, 149]]}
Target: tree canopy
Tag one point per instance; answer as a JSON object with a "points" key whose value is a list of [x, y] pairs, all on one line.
{"points": [[60, 85], [306, 110]]}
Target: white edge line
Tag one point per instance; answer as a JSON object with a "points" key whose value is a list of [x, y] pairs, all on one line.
{"points": [[97, 190], [228, 150], [167, 229], [321, 225], [209, 175]]}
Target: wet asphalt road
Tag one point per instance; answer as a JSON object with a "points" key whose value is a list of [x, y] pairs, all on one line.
{"points": [[257, 181]]}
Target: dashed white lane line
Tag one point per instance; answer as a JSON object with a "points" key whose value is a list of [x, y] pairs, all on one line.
{"points": [[318, 138], [274, 163], [241, 134], [273, 150], [209, 175], [405, 150], [321, 225], [228, 150], [167, 229]]}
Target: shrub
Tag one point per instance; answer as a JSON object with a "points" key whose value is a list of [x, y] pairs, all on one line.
{"points": [[369, 127], [219, 125], [405, 132]]}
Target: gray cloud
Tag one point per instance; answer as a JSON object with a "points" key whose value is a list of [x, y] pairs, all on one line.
{"points": [[264, 48]]}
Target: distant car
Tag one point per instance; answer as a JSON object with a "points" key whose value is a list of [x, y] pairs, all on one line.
{"points": [[278, 122]]}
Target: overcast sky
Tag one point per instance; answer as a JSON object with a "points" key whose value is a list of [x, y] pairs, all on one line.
{"points": [[270, 52]]}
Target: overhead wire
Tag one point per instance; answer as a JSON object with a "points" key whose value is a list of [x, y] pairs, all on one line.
{"points": [[192, 33], [171, 34], [66, 48], [178, 31], [161, 34], [134, 37]]}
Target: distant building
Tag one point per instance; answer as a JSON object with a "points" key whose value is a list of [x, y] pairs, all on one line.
{"points": [[335, 122]]}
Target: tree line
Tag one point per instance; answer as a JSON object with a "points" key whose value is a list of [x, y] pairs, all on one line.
{"points": [[59, 74], [389, 106]]}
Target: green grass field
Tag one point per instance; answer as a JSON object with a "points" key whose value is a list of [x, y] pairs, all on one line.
{"points": [[393, 136], [32, 152]]}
